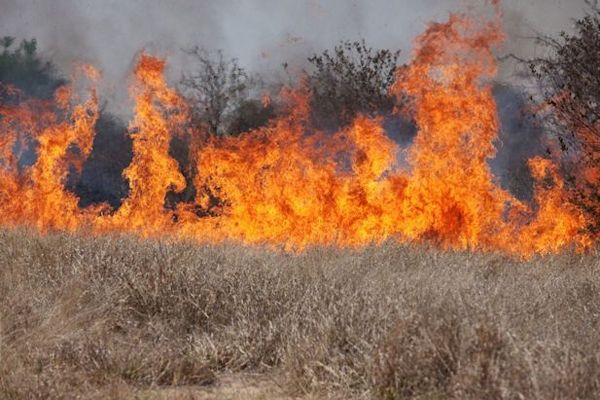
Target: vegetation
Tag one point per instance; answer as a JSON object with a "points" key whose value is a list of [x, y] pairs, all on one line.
{"points": [[100, 180], [354, 79], [570, 83], [22, 67], [118, 317], [218, 92]]}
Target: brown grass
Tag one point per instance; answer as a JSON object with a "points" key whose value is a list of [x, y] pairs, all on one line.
{"points": [[117, 317]]}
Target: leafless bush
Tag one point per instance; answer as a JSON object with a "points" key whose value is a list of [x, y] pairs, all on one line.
{"points": [[219, 93], [570, 83], [354, 79]]}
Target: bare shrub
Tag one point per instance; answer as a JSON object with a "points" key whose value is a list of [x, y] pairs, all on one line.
{"points": [[219, 92], [570, 88], [353, 79]]}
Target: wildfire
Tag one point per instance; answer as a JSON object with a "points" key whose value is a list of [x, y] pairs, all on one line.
{"points": [[36, 194], [281, 186]]}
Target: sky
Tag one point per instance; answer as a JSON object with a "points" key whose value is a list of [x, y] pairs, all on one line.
{"points": [[262, 34]]}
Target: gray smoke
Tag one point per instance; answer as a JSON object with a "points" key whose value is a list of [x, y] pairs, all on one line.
{"points": [[261, 33]]}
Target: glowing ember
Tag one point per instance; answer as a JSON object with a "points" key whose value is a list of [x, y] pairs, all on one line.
{"points": [[281, 186]]}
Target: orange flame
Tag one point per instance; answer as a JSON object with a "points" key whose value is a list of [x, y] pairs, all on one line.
{"points": [[158, 113], [36, 195], [279, 185]]}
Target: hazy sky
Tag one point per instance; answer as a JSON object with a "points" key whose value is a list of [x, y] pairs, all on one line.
{"points": [[261, 33]]}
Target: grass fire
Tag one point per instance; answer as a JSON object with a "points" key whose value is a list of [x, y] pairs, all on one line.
{"points": [[363, 227]]}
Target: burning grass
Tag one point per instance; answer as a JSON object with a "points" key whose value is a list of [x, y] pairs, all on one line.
{"points": [[118, 317], [287, 184]]}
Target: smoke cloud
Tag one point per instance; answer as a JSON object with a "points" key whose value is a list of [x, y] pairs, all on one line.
{"points": [[261, 33]]}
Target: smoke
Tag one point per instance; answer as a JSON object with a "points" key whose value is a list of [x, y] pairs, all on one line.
{"points": [[262, 34]]}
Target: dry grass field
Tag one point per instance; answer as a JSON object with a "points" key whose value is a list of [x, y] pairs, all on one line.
{"points": [[122, 318]]}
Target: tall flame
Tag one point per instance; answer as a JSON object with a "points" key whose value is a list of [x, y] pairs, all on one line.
{"points": [[280, 185], [36, 195], [451, 196], [152, 172]]}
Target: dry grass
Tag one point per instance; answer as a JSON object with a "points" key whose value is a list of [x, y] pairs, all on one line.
{"points": [[116, 317]]}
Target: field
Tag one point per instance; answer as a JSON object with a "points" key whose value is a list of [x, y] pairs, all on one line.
{"points": [[118, 317]]}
